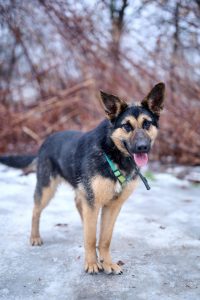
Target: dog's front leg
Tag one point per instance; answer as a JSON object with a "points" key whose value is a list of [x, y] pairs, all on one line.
{"points": [[108, 218], [90, 216]]}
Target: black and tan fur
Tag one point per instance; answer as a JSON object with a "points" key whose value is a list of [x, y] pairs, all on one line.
{"points": [[79, 159]]}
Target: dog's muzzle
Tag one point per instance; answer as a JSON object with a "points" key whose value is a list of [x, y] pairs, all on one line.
{"points": [[139, 147]]}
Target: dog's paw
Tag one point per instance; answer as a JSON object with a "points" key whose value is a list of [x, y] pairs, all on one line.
{"points": [[111, 268], [36, 241], [93, 268]]}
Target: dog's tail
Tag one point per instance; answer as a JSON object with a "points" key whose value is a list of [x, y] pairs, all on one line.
{"points": [[26, 162]]}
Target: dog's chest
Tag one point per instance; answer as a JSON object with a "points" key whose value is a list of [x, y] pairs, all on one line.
{"points": [[106, 190], [118, 188]]}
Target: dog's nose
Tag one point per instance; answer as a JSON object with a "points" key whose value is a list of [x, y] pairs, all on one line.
{"points": [[142, 147]]}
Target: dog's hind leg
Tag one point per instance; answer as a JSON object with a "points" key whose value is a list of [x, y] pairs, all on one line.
{"points": [[40, 202], [44, 192], [79, 206]]}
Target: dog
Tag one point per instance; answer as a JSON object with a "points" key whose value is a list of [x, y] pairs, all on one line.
{"points": [[101, 167]]}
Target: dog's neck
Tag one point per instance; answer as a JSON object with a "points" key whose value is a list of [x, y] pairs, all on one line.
{"points": [[128, 166]]}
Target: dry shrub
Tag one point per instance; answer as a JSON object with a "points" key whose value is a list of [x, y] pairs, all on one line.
{"points": [[58, 55]]}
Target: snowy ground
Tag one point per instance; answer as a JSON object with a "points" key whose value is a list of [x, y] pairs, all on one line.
{"points": [[157, 236]]}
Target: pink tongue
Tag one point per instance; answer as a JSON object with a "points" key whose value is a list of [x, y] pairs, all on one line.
{"points": [[141, 159]]}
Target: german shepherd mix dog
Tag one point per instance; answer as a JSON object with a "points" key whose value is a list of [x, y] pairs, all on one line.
{"points": [[101, 166]]}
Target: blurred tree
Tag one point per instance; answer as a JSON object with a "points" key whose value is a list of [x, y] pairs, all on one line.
{"points": [[124, 46]]}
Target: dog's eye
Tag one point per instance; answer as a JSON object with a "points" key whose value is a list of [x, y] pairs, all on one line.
{"points": [[127, 127], [146, 124]]}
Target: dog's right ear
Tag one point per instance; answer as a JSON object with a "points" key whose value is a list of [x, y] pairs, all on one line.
{"points": [[154, 100], [112, 105]]}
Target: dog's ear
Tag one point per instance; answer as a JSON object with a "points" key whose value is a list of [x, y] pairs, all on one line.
{"points": [[112, 105], [154, 100]]}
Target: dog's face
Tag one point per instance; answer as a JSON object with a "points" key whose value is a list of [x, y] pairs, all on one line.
{"points": [[134, 128]]}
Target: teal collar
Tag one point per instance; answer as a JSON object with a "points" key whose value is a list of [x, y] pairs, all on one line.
{"points": [[121, 178]]}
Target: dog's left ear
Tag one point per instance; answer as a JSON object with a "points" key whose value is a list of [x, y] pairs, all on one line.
{"points": [[154, 100], [112, 105]]}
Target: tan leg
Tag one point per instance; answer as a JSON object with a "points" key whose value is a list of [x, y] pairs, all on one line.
{"points": [[40, 204], [108, 218], [90, 216], [35, 239], [79, 206]]}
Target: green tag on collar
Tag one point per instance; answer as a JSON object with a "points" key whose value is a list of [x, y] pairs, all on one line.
{"points": [[121, 178]]}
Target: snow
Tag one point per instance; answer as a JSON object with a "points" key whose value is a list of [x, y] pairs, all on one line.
{"points": [[157, 236]]}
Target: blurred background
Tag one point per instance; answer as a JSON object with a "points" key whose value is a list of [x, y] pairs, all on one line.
{"points": [[56, 55]]}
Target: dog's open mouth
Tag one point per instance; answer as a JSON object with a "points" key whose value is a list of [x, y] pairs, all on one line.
{"points": [[141, 159]]}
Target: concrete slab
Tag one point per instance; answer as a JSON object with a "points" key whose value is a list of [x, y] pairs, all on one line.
{"points": [[157, 236]]}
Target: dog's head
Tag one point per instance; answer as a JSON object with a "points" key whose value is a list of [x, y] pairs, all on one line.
{"points": [[134, 128]]}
